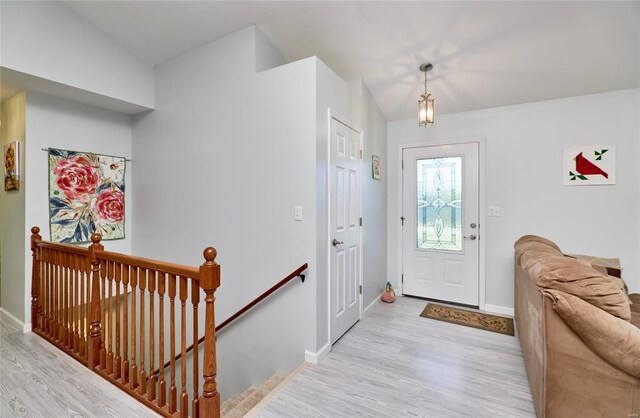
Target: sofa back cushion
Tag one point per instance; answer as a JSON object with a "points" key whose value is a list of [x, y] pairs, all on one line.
{"points": [[552, 270]]}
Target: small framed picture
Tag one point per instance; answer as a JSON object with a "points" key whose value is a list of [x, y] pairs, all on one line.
{"points": [[589, 165], [376, 171], [12, 166]]}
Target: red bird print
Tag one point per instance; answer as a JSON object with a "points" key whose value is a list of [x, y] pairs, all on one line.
{"points": [[586, 167]]}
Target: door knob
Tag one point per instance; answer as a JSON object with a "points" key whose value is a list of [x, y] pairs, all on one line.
{"points": [[336, 242], [471, 237]]}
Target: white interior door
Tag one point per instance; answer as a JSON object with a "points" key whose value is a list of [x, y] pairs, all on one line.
{"points": [[440, 232], [344, 234]]}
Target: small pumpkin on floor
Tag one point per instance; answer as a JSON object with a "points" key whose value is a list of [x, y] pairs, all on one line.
{"points": [[388, 296]]}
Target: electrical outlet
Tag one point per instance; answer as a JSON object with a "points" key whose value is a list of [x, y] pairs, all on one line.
{"points": [[297, 213], [494, 211]]}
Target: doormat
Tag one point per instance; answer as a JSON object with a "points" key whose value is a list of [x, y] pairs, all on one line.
{"points": [[469, 318]]}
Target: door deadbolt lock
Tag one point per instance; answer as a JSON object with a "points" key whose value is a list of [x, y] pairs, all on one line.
{"points": [[336, 242], [473, 226]]}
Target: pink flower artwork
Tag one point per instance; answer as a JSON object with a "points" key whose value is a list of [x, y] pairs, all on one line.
{"points": [[86, 195]]}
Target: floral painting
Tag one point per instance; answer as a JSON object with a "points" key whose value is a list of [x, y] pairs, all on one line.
{"points": [[86, 195]]}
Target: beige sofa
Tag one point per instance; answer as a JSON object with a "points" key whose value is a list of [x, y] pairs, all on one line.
{"points": [[579, 334]]}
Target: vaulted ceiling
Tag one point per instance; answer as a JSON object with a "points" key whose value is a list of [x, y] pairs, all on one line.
{"points": [[485, 54]]}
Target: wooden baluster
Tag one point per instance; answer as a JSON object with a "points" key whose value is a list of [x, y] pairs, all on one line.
{"points": [[82, 308], [44, 297], [48, 293], [54, 296], [209, 282], [142, 277], [59, 293], [117, 367], [184, 397], [195, 300], [35, 275], [109, 321], [73, 303], [63, 298], [162, 387], [95, 337], [79, 307], [134, 365], [151, 384], [41, 291], [79, 317], [86, 304], [172, 343], [125, 324], [103, 310], [67, 307]]}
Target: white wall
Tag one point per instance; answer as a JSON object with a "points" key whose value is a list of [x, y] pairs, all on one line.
{"points": [[524, 146], [12, 205], [57, 123], [51, 41], [222, 161], [369, 117]]}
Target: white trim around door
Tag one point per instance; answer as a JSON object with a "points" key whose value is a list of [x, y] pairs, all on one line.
{"points": [[482, 213]]}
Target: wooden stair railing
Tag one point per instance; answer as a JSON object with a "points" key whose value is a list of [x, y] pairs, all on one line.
{"points": [[91, 304], [296, 273]]}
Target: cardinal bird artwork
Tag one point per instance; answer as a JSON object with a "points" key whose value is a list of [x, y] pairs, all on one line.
{"points": [[589, 165], [586, 167]]}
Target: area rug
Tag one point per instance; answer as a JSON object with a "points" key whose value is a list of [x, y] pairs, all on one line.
{"points": [[469, 318]]}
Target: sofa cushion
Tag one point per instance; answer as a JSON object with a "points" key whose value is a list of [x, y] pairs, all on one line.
{"points": [[534, 238], [579, 279], [609, 266], [615, 340]]}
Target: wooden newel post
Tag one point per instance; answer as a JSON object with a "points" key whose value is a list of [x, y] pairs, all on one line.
{"points": [[209, 282], [35, 275], [95, 333]]}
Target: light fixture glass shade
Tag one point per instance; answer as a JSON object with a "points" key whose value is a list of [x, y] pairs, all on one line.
{"points": [[425, 110]]}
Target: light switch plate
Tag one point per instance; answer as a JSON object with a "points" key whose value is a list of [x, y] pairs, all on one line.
{"points": [[494, 211], [297, 213]]}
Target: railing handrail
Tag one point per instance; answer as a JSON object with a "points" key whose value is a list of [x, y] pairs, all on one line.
{"points": [[74, 249], [296, 273], [147, 263]]}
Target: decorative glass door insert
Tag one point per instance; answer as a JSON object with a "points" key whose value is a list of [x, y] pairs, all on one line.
{"points": [[439, 203]]}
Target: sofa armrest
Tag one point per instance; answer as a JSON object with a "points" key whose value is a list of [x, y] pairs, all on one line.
{"points": [[616, 341]]}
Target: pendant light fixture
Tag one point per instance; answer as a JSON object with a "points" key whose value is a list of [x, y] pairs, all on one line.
{"points": [[425, 103]]}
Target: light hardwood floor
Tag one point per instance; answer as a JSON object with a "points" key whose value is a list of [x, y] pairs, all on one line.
{"points": [[394, 363], [38, 380]]}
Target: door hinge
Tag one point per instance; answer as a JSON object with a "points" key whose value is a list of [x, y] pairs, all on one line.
{"points": [[360, 154], [402, 278], [403, 164], [360, 289], [402, 219], [361, 221]]}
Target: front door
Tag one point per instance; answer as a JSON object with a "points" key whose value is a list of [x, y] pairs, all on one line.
{"points": [[440, 232], [344, 227]]}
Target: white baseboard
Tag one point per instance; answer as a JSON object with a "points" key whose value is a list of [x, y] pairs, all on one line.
{"points": [[25, 327], [314, 358], [372, 304], [500, 310]]}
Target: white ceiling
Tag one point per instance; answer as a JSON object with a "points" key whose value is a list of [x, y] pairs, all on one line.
{"points": [[485, 54]]}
